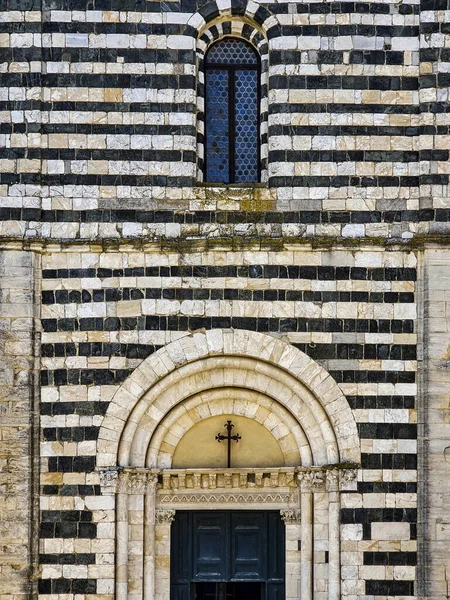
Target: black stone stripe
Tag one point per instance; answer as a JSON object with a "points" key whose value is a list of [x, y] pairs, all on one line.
{"points": [[113, 294], [114, 28], [362, 376], [337, 130], [324, 273], [371, 515], [97, 129], [386, 109], [85, 409], [389, 461], [99, 349], [72, 464], [350, 29], [353, 155], [175, 82], [67, 586], [71, 490], [439, 80], [345, 82], [387, 431], [364, 402], [84, 377], [162, 181], [336, 57], [115, 376], [386, 487], [189, 156], [434, 54], [390, 558], [70, 434], [387, 587], [112, 180], [355, 7], [315, 351], [102, 55], [343, 181], [159, 156], [67, 559], [73, 516], [263, 325], [101, 215], [145, 107], [323, 30], [158, 82]]}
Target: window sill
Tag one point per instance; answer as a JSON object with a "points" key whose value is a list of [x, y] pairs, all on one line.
{"points": [[240, 186]]}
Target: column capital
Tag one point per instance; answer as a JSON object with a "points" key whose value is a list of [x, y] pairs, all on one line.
{"points": [[333, 479], [164, 517], [109, 479], [290, 515], [312, 481]]}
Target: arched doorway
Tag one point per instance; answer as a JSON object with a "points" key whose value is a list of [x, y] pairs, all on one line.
{"points": [[176, 398]]}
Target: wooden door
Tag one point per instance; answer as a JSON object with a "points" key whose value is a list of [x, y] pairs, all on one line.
{"points": [[227, 546]]}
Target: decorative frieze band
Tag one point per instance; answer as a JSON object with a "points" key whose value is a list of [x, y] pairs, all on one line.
{"points": [[171, 482]]}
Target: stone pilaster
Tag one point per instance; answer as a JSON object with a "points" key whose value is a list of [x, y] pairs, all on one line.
{"points": [[19, 414]]}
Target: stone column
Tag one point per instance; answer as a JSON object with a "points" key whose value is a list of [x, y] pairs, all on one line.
{"points": [[306, 561], [163, 521], [334, 555], [291, 518], [149, 538], [122, 539], [137, 488]]}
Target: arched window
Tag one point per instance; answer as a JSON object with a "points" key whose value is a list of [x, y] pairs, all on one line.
{"points": [[232, 113]]}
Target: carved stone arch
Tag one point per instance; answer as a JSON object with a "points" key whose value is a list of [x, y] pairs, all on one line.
{"points": [[251, 11], [232, 400], [217, 359]]}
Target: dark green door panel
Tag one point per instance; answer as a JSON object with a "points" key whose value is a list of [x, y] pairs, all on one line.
{"points": [[227, 546]]}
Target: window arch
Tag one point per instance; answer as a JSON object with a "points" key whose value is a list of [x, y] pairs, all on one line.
{"points": [[232, 99]]}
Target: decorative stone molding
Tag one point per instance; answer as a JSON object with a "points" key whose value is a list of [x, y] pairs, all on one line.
{"points": [[291, 516], [230, 498], [312, 481], [164, 517], [108, 480], [333, 479], [348, 479], [200, 362]]}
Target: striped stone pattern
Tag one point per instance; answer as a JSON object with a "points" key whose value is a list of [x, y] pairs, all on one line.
{"points": [[103, 313], [98, 112]]}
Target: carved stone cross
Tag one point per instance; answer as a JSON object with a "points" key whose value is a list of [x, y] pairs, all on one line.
{"points": [[235, 438]]}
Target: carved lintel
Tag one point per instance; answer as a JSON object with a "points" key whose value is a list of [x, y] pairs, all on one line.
{"points": [[291, 516], [164, 517], [108, 479]]}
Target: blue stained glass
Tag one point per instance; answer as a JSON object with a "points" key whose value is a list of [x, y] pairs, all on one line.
{"points": [[231, 52], [217, 126], [246, 135], [232, 148]]}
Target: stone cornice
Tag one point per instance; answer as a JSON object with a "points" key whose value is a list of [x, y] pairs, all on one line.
{"points": [[178, 483]]}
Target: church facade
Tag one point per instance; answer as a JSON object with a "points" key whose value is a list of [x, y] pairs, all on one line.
{"points": [[225, 291]]}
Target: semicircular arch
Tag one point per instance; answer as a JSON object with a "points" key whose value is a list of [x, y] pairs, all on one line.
{"points": [[217, 359]]}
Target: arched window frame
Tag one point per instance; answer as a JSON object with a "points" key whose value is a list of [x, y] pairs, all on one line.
{"points": [[232, 70], [256, 38]]}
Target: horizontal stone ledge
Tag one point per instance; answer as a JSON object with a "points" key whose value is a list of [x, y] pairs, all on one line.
{"points": [[237, 243], [316, 478]]}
